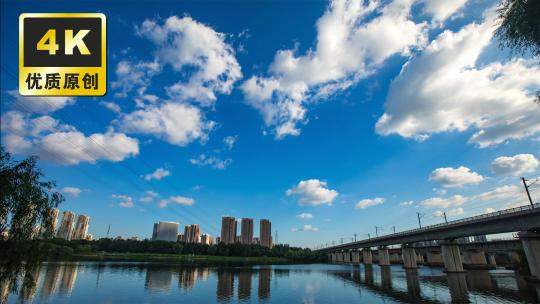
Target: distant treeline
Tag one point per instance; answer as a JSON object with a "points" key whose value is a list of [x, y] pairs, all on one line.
{"points": [[62, 249]]}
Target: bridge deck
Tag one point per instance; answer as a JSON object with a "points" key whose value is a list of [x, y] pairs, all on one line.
{"points": [[521, 218]]}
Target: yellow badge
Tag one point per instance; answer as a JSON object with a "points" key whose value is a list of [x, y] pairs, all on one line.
{"points": [[62, 54]]}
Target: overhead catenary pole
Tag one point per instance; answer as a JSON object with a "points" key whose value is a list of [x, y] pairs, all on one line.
{"points": [[377, 231], [527, 190], [445, 220], [419, 222]]}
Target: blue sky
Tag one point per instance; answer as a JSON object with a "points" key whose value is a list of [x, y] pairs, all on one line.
{"points": [[328, 118]]}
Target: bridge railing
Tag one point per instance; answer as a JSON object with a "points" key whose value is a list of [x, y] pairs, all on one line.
{"points": [[463, 220]]}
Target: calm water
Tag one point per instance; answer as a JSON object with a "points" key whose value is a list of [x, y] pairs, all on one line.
{"points": [[163, 283]]}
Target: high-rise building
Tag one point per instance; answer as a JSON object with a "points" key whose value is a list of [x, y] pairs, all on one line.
{"points": [[228, 229], [191, 233], [165, 231], [206, 239], [66, 226], [81, 227], [154, 232], [180, 238], [246, 236], [266, 233]]}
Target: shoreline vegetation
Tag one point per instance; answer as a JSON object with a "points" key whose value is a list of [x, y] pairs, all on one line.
{"points": [[176, 258], [154, 251]]}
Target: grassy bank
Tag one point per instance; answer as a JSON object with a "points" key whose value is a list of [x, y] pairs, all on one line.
{"points": [[175, 258]]}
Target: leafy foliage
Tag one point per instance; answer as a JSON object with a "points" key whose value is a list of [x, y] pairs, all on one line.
{"points": [[519, 25], [25, 200]]}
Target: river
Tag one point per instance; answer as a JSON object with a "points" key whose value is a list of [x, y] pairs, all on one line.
{"points": [[114, 282]]}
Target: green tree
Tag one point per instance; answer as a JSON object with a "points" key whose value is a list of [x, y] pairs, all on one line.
{"points": [[25, 199], [519, 25]]}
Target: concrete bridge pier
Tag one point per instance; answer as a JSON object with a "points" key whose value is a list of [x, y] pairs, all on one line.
{"points": [[475, 259], [339, 257], [409, 257], [333, 257], [384, 257], [491, 260], [420, 259], [434, 258], [395, 258], [451, 256], [367, 257], [514, 259], [356, 257], [531, 246], [347, 257]]}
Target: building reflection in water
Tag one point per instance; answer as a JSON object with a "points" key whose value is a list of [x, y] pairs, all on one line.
{"points": [[244, 284], [413, 283], [265, 275], [51, 280], [158, 279], [457, 284], [69, 276], [29, 288], [186, 279], [225, 284]]}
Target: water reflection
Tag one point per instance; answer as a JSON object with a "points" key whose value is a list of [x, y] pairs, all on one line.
{"points": [[158, 279], [225, 284], [139, 282], [265, 274], [244, 284]]}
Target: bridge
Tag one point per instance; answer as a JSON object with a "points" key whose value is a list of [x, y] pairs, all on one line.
{"points": [[525, 219]]}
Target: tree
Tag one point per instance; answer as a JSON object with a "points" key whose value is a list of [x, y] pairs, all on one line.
{"points": [[519, 25], [25, 200]]}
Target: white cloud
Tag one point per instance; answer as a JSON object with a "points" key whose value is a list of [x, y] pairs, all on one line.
{"points": [[500, 193], [439, 202], [353, 39], [179, 124], [490, 210], [40, 104], [60, 143], [455, 177], [444, 89], [132, 76], [305, 216], [514, 165], [451, 212], [149, 197], [306, 228], [197, 50], [229, 141], [407, 203], [73, 191], [158, 174], [125, 201], [74, 147], [212, 161], [455, 211], [441, 10], [111, 106], [313, 192], [365, 203], [177, 200]]}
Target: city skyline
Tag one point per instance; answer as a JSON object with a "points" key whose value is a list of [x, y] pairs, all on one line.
{"points": [[344, 119]]}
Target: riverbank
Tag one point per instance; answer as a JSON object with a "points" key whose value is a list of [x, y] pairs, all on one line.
{"points": [[176, 258]]}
